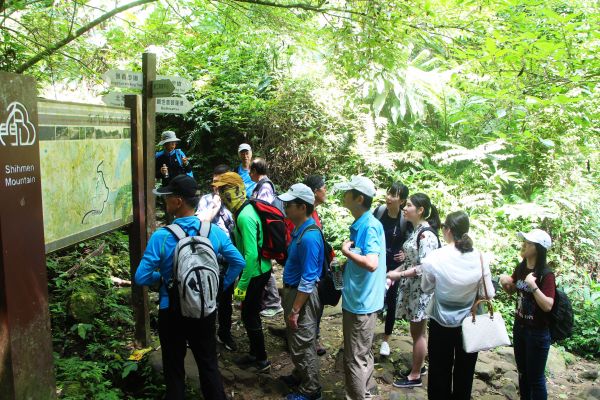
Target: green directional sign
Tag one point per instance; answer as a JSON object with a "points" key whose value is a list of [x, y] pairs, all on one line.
{"points": [[162, 88]]}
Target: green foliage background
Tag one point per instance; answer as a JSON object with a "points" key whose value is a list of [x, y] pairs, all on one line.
{"points": [[487, 106]]}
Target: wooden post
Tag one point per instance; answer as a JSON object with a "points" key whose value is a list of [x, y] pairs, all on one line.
{"points": [[26, 370], [137, 233], [149, 129]]}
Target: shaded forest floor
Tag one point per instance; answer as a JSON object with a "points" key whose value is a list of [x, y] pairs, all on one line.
{"points": [[569, 377]]}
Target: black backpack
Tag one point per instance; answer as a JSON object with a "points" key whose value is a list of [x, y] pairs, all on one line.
{"points": [[430, 229], [561, 316]]}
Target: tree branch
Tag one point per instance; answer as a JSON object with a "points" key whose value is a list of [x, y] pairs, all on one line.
{"points": [[302, 6], [79, 32]]}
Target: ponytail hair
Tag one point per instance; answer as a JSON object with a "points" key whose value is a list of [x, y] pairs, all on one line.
{"points": [[430, 212], [458, 223]]}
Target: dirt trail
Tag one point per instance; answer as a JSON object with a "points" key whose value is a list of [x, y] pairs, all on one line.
{"points": [[495, 374]]}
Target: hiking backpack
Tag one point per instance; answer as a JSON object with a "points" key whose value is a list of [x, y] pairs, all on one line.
{"points": [[274, 232], [195, 281], [277, 202], [402, 223], [561, 316]]}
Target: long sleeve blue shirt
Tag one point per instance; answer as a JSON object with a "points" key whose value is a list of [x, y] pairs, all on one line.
{"points": [[305, 258], [157, 261], [248, 182]]}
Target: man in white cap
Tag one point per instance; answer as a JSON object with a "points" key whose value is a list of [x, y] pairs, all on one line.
{"points": [[171, 161], [243, 170], [301, 303], [364, 286]]}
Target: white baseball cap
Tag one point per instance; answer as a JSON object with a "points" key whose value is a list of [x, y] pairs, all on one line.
{"points": [[357, 182], [299, 191], [168, 136], [244, 146], [537, 236]]}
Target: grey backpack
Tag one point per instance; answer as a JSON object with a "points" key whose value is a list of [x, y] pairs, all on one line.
{"points": [[195, 281]]}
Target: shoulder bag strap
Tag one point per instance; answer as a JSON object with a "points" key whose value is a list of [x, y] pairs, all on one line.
{"points": [[204, 229], [312, 227], [177, 231]]}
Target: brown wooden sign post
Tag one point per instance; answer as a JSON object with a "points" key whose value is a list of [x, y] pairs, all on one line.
{"points": [[26, 370], [137, 233]]}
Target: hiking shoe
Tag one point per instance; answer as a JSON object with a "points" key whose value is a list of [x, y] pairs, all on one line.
{"points": [[384, 350], [408, 383], [271, 312], [300, 396], [407, 372], [290, 380], [228, 343], [263, 366], [321, 350], [245, 361]]}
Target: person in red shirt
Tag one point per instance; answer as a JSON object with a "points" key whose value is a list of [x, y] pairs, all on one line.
{"points": [[535, 287]]}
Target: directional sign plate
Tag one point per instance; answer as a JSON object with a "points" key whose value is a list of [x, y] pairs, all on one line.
{"points": [[162, 88], [134, 80], [173, 105], [115, 99], [124, 79], [182, 85]]}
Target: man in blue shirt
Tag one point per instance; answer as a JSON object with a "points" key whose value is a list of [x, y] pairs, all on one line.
{"points": [[364, 285], [174, 330], [171, 161], [301, 304], [243, 170]]}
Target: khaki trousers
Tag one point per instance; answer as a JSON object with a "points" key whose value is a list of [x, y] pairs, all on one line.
{"points": [[358, 355], [302, 341]]}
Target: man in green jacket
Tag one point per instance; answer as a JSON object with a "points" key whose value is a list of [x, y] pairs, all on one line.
{"points": [[256, 274]]}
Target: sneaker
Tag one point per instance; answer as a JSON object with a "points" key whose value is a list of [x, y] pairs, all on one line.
{"points": [[384, 350], [271, 312], [408, 383], [408, 371], [320, 349], [263, 366], [228, 343], [245, 361], [300, 396], [290, 380]]}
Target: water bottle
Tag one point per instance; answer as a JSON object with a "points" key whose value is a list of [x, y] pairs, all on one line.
{"points": [[337, 274]]}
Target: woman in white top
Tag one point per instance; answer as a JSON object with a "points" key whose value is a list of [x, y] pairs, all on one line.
{"points": [[453, 274]]}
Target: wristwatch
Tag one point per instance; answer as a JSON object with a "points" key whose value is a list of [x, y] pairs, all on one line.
{"points": [[534, 289]]}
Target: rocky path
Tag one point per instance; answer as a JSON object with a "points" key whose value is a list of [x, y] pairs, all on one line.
{"points": [[569, 377]]}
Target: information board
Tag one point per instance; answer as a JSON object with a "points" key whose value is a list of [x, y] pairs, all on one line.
{"points": [[85, 165]]}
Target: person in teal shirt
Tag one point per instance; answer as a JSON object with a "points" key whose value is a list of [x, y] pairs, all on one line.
{"points": [[364, 286]]}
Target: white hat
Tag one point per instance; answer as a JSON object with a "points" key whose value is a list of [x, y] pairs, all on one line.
{"points": [[168, 136], [537, 236], [299, 191], [357, 182], [244, 146]]}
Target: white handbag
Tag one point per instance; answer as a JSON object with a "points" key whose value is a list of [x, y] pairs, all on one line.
{"points": [[485, 331]]}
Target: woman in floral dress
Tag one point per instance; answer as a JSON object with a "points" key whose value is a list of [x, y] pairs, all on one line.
{"points": [[412, 302]]}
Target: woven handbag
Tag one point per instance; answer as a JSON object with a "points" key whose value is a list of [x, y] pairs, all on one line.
{"points": [[485, 331]]}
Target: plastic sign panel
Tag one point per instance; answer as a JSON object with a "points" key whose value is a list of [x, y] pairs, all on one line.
{"points": [[134, 80], [85, 163], [173, 105]]}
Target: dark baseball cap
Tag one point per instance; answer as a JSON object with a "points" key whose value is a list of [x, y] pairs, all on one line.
{"points": [[181, 185]]}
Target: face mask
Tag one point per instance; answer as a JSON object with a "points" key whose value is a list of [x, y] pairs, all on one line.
{"points": [[233, 197]]}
